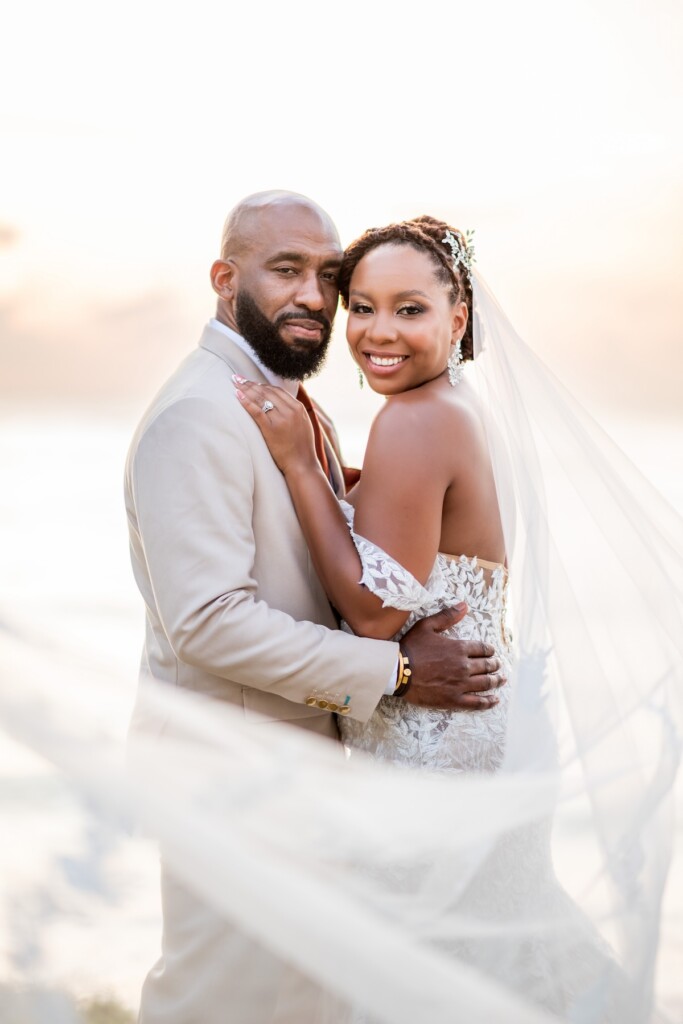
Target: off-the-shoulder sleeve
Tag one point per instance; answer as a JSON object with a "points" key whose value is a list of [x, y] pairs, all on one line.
{"points": [[390, 581]]}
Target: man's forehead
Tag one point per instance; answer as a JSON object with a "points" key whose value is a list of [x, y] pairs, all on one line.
{"points": [[291, 228]]}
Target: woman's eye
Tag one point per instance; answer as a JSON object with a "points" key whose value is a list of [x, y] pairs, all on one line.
{"points": [[360, 307], [411, 309]]}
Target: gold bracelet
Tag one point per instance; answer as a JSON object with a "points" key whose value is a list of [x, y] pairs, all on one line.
{"points": [[404, 674]]}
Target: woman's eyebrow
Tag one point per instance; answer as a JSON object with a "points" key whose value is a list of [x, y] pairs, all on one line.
{"points": [[399, 295]]}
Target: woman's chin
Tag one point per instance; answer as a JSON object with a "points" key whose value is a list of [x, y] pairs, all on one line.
{"points": [[387, 388]]}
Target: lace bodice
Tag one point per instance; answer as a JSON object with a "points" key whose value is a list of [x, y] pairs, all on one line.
{"points": [[400, 732]]}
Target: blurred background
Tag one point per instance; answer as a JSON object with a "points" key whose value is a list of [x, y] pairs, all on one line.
{"points": [[129, 131]]}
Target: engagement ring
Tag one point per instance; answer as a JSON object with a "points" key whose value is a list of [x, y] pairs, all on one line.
{"points": [[267, 406]]}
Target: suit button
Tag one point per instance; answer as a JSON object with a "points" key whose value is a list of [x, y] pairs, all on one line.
{"points": [[310, 701], [344, 710], [333, 707], [322, 704]]}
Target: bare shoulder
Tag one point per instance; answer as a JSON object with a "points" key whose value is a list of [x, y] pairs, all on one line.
{"points": [[426, 424]]}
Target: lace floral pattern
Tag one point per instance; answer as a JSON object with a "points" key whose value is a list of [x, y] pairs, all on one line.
{"points": [[401, 733], [517, 879]]}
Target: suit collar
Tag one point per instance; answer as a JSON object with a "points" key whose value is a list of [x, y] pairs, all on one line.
{"points": [[225, 348], [220, 331], [222, 345]]}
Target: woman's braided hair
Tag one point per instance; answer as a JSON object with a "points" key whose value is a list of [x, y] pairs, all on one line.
{"points": [[425, 234]]}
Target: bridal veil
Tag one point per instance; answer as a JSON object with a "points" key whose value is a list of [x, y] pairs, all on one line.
{"points": [[408, 896]]}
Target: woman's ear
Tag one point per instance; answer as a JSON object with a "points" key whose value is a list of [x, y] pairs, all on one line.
{"points": [[459, 322]]}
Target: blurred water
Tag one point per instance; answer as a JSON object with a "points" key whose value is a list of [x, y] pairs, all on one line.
{"points": [[67, 589]]}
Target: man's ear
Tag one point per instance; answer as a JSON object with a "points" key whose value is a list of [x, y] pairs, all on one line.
{"points": [[223, 274]]}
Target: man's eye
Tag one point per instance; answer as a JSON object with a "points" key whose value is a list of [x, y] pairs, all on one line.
{"points": [[411, 309], [286, 271], [360, 307], [331, 276]]}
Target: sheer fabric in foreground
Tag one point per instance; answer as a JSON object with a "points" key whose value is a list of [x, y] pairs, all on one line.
{"points": [[516, 880], [528, 891]]}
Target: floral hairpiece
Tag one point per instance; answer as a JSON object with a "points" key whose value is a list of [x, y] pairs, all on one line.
{"points": [[462, 253]]}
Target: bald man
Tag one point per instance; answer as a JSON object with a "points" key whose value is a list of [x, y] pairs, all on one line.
{"points": [[234, 609]]}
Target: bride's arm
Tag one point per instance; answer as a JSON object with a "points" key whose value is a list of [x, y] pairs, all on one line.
{"points": [[398, 501]]}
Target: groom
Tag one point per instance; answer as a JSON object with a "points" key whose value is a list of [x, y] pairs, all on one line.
{"points": [[234, 607]]}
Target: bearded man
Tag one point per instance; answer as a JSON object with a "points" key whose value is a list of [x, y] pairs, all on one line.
{"points": [[234, 607]]}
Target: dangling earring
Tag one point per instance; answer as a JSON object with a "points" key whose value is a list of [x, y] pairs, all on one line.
{"points": [[456, 367], [361, 378]]}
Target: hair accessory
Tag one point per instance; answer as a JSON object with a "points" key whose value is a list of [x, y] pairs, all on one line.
{"points": [[455, 364], [463, 253]]}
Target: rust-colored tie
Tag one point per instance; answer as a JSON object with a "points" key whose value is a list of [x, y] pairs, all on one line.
{"points": [[351, 476], [302, 396]]}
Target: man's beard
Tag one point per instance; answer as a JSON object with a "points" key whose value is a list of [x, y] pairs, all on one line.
{"points": [[264, 337]]}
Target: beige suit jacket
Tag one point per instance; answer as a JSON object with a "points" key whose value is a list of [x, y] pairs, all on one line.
{"points": [[235, 611], [234, 607]]}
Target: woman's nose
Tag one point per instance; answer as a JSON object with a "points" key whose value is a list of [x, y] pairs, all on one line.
{"points": [[381, 328]]}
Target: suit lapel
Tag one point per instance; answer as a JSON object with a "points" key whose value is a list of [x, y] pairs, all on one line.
{"points": [[336, 474]]}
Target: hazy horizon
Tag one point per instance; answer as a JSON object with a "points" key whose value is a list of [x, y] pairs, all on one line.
{"points": [[556, 135]]}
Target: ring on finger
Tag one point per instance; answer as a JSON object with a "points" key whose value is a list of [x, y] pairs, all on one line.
{"points": [[267, 406]]}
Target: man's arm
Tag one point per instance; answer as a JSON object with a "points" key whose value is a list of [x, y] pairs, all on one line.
{"points": [[192, 485]]}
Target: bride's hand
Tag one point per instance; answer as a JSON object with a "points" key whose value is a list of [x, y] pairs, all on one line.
{"points": [[282, 420]]}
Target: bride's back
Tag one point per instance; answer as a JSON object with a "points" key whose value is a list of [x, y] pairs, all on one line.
{"points": [[471, 521], [432, 437]]}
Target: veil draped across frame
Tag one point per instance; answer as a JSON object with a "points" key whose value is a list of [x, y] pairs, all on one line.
{"points": [[530, 895]]}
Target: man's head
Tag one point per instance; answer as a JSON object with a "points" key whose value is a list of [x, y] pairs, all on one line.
{"points": [[276, 280]]}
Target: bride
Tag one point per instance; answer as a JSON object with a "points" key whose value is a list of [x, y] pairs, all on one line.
{"points": [[451, 475], [427, 487]]}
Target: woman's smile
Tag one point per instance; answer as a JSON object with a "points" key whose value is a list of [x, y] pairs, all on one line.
{"points": [[401, 321], [383, 364]]}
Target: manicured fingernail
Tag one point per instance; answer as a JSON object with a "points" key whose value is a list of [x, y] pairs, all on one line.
{"points": [[238, 379], [240, 394], [460, 607]]}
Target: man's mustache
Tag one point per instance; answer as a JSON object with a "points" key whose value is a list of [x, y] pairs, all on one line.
{"points": [[318, 317]]}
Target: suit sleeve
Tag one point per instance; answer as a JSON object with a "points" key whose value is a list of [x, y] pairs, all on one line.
{"points": [[192, 483]]}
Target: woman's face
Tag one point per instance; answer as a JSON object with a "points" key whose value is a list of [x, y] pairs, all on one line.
{"points": [[401, 323]]}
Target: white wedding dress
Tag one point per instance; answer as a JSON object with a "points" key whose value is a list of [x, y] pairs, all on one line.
{"points": [[402, 733], [568, 968]]}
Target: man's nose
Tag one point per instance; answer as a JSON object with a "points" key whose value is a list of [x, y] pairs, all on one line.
{"points": [[310, 293]]}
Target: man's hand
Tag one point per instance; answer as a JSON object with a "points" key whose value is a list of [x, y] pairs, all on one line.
{"points": [[449, 673]]}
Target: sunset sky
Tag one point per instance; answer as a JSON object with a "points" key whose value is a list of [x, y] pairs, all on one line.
{"points": [[129, 131]]}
